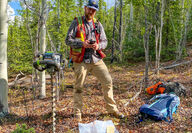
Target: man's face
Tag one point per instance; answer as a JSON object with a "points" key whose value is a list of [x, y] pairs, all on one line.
{"points": [[89, 13]]}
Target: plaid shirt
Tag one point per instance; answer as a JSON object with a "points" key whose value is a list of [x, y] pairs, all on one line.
{"points": [[73, 42]]}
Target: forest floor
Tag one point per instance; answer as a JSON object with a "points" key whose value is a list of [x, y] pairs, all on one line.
{"points": [[36, 113]]}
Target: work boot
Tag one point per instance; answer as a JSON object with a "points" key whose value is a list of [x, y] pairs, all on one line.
{"points": [[117, 114], [78, 117]]}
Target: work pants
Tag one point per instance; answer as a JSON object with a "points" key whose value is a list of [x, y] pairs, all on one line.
{"points": [[100, 71]]}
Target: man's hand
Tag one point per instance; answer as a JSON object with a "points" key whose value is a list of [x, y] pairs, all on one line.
{"points": [[95, 46], [86, 44]]}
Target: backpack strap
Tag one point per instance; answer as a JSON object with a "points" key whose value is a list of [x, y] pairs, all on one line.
{"points": [[97, 35], [170, 117], [169, 110], [175, 103], [81, 28], [156, 97], [93, 21]]}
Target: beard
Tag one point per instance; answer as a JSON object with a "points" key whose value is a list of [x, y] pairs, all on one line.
{"points": [[88, 17]]}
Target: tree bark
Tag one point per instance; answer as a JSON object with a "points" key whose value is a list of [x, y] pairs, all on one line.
{"points": [[120, 31], [43, 47], [160, 35], [184, 31], [167, 25], [188, 14], [148, 28], [38, 33], [59, 24], [182, 41], [114, 25], [131, 21], [157, 30], [146, 46], [180, 47], [3, 58]]}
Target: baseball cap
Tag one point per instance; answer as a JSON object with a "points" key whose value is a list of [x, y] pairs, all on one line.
{"points": [[93, 4]]}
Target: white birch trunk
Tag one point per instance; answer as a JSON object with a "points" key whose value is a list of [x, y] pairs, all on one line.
{"points": [[3, 58], [42, 47], [156, 44], [160, 34]]}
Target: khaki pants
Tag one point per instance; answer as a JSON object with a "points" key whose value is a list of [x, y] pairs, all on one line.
{"points": [[100, 71]]}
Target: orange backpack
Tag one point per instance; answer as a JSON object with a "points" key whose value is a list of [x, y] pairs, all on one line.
{"points": [[156, 88]]}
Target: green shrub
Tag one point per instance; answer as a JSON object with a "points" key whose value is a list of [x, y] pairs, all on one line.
{"points": [[23, 129]]}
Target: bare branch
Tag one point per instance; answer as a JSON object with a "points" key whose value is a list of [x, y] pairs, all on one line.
{"points": [[19, 76], [175, 65], [137, 94], [30, 8], [51, 41]]}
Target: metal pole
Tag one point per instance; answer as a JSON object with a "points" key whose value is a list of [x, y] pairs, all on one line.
{"points": [[53, 85]]}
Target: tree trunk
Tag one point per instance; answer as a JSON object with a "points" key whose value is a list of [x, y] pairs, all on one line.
{"points": [[188, 14], [114, 25], [160, 35], [120, 31], [148, 28], [156, 45], [131, 11], [43, 46], [180, 47], [33, 46], [59, 24], [3, 58], [157, 30], [38, 33], [146, 46], [184, 33], [167, 25], [167, 33], [131, 21], [35, 78]]}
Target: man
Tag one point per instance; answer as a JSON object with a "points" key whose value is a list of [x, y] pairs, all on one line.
{"points": [[87, 38]]}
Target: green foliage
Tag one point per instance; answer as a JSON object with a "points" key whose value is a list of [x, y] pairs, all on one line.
{"points": [[60, 16], [57, 26], [23, 129], [19, 48]]}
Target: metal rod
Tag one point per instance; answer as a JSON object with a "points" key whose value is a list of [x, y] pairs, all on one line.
{"points": [[53, 85]]}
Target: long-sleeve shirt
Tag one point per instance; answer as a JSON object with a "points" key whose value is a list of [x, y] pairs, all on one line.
{"points": [[73, 42]]}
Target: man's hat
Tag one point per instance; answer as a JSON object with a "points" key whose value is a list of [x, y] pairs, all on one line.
{"points": [[93, 4]]}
